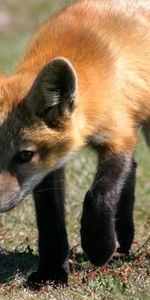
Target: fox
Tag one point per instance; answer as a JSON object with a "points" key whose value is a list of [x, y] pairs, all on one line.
{"points": [[84, 81]]}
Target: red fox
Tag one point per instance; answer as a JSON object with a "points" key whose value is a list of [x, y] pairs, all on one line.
{"points": [[85, 80]]}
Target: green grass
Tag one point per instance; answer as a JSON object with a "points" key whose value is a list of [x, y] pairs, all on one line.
{"points": [[18, 235]]}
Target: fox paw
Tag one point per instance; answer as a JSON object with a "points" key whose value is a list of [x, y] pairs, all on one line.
{"points": [[38, 279]]}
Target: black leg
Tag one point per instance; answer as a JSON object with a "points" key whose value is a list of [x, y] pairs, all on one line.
{"points": [[124, 216], [53, 244], [98, 220]]}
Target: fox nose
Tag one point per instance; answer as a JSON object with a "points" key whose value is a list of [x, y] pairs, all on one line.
{"points": [[6, 180], [9, 191]]}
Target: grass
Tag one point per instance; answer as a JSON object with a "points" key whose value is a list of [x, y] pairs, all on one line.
{"points": [[121, 279]]}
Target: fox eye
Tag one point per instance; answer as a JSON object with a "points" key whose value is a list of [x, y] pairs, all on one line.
{"points": [[24, 156]]}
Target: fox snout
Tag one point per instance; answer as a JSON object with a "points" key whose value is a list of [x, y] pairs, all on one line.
{"points": [[10, 193]]}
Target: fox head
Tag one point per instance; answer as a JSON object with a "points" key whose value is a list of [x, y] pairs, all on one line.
{"points": [[36, 135]]}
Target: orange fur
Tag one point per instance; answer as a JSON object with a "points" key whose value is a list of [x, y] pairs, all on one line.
{"points": [[109, 46]]}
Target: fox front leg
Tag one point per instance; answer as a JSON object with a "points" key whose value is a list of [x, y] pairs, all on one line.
{"points": [[53, 243], [124, 216], [98, 236]]}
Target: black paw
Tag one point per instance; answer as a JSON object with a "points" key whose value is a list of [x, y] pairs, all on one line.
{"points": [[98, 249], [37, 279], [97, 232]]}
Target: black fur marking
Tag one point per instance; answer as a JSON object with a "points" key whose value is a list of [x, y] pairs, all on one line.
{"points": [[98, 234], [54, 90], [12, 133], [53, 244]]}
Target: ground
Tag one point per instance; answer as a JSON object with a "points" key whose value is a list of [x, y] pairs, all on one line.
{"points": [[121, 279]]}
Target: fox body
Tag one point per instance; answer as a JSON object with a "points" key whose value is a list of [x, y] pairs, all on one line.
{"points": [[85, 80]]}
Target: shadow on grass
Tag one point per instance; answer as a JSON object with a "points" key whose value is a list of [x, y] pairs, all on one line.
{"points": [[13, 263], [22, 263]]}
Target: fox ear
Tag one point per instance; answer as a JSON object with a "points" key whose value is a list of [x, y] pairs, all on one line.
{"points": [[52, 96]]}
